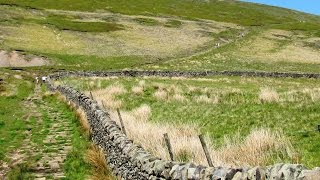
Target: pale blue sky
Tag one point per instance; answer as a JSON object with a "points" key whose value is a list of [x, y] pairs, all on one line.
{"points": [[309, 6]]}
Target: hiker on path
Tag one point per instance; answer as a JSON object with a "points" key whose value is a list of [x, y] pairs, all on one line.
{"points": [[44, 79], [37, 80]]}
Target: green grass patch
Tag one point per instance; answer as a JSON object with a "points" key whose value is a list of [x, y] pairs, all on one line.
{"points": [[12, 124], [64, 23], [75, 166], [147, 21], [83, 62], [19, 172], [173, 23]]}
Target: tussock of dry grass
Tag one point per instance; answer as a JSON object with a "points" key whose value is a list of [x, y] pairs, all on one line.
{"points": [[255, 149], [179, 97], [83, 121], [313, 93], [142, 83], [96, 158], [150, 135], [268, 95], [206, 99], [305, 94], [138, 90], [107, 96], [161, 94], [142, 113]]}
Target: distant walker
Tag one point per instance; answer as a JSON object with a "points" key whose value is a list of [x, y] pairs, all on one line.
{"points": [[44, 79]]}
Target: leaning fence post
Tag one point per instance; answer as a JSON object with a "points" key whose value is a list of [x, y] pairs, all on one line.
{"points": [[166, 138], [205, 149], [104, 107], [121, 122], [91, 95]]}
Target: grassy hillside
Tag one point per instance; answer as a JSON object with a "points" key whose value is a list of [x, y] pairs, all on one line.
{"points": [[224, 11], [169, 35], [161, 34]]}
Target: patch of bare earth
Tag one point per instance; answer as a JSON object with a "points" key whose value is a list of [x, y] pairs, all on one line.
{"points": [[15, 59]]}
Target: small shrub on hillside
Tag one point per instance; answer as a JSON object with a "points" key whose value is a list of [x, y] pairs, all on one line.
{"points": [[173, 23], [147, 21]]}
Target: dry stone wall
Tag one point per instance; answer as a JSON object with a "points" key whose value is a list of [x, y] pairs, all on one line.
{"points": [[130, 161], [183, 74]]}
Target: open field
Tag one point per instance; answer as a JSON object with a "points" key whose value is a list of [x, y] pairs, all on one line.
{"points": [[219, 107]]}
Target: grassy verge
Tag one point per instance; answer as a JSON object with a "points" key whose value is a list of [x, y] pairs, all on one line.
{"points": [[75, 166], [12, 121], [85, 160]]}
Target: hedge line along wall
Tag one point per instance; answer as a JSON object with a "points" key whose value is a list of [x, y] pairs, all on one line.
{"points": [[130, 161]]}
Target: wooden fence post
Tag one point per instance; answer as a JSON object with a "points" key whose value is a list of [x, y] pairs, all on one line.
{"points": [[91, 95], [121, 122], [205, 149], [104, 107], [167, 140]]}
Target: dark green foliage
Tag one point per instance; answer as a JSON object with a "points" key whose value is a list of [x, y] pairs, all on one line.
{"points": [[173, 23], [147, 21], [67, 23], [20, 172]]}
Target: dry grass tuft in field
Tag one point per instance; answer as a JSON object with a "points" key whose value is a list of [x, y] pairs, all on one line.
{"points": [[255, 149], [96, 158], [138, 90], [83, 122], [179, 98], [161, 94], [268, 95], [206, 99], [107, 95]]}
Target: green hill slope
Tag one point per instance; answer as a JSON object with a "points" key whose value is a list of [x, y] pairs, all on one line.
{"points": [[225, 11], [117, 34]]}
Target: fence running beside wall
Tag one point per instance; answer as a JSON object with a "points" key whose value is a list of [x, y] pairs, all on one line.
{"points": [[130, 161]]}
